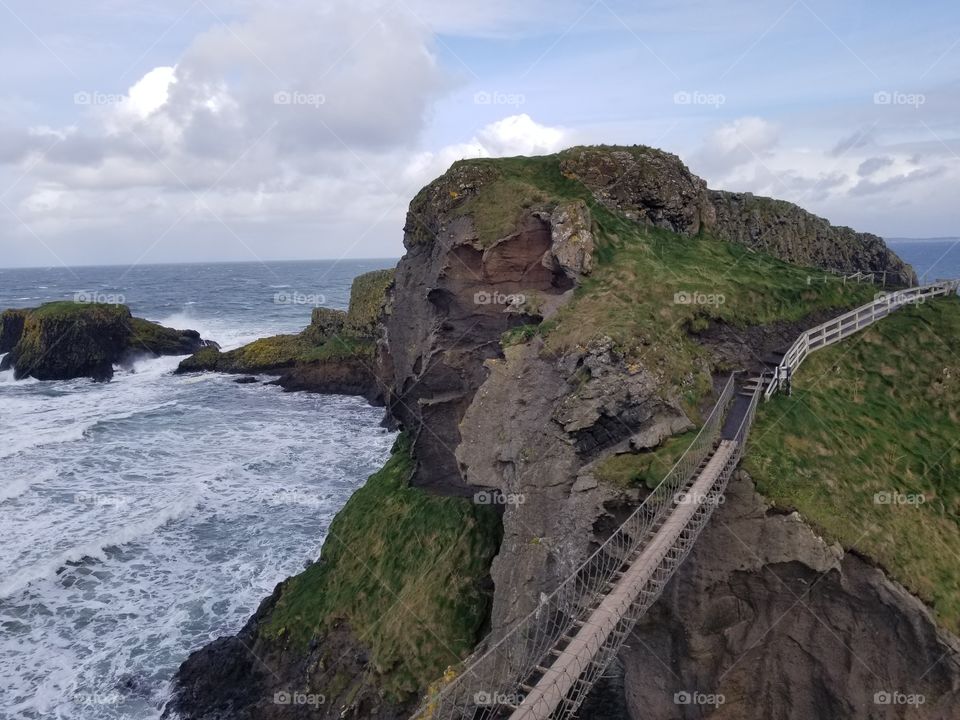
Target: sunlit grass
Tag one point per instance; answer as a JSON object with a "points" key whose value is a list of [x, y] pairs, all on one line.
{"points": [[877, 414]]}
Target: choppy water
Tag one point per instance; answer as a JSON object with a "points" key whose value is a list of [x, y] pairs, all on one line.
{"points": [[931, 259], [143, 517]]}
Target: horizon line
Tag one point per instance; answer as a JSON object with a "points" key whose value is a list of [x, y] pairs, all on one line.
{"points": [[63, 266]]}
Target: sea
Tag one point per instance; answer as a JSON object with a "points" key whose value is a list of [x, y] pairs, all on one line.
{"points": [[932, 259], [144, 517]]}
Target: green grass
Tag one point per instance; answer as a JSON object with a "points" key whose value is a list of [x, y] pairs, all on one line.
{"points": [[271, 352], [282, 351], [639, 270], [406, 571], [877, 413], [631, 297], [520, 184], [71, 310], [644, 469]]}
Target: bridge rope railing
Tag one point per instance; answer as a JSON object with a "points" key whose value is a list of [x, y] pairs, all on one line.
{"points": [[492, 680], [629, 607], [849, 323]]}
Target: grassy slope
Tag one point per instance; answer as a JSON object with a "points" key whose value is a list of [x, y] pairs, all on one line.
{"points": [[404, 569], [646, 469], [630, 294], [877, 413]]}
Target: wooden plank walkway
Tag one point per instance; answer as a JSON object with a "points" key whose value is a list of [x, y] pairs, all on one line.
{"points": [[561, 676]]}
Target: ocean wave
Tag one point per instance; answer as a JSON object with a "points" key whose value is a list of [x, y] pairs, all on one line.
{"points": [[61, 433], [14, 489], [224, 332], [96, 549]]}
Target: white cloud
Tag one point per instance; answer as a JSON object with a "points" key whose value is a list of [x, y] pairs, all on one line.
{"points": [[509, 136], [742, 142], [861, 181], [151, 92], [298, 114]]}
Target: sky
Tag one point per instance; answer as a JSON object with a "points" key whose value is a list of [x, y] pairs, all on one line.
{"points": [[206, 130]]}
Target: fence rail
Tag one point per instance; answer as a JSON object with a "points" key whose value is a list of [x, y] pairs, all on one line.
{"points": [[857, 277], [849, 323]]}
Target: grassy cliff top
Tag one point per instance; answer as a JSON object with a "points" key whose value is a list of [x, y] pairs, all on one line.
{"points": [[866, 449], [70, 310]]}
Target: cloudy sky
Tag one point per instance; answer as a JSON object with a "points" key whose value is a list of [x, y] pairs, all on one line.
{"points": [[139, 131]]}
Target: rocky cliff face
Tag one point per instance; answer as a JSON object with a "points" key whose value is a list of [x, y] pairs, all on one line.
{"points": [[651, 186], [491, 406], [452, 301], [791, 233], [783, 626]]}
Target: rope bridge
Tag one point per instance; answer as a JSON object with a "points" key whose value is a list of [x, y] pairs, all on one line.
{"points": [[546, 665]]}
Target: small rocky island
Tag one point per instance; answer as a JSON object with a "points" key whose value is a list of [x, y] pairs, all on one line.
{"points": [[64, 340], [336, 353]]}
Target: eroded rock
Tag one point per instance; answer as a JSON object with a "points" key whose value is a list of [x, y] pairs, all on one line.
{"points": [[786, 627]]}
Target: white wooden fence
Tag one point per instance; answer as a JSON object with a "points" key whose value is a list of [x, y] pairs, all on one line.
{"points": [[847, 324]]}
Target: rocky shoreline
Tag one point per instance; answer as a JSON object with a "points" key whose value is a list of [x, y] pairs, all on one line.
{"points": [[335, 354]]}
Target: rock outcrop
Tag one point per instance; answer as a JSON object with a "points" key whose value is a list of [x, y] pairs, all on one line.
{"points": [[11, 328], [64, 340], [655, 187], [453, 299], [790, 233], [783, 626], [334, 354]]}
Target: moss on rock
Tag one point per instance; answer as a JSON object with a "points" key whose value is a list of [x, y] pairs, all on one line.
{"points": [[367, 295], [326, 322], [335, 353], [62, 340]]}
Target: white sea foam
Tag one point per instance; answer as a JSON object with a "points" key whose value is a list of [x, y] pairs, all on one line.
{"points": [[224, 332], [141, 518], [95, 549]]}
